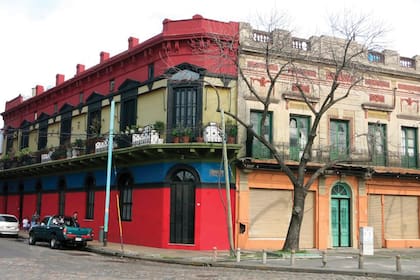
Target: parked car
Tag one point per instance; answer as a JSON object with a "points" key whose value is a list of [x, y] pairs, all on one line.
{"points": [[9, 225], [60, 230]]}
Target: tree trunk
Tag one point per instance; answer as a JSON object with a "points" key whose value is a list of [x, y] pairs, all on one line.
{"points": [[293, 234]]}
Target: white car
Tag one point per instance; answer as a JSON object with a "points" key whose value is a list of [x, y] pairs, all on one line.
{"points": [[9, 225]]}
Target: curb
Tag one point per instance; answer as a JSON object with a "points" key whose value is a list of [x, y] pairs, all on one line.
{"points": [[227, 264]]}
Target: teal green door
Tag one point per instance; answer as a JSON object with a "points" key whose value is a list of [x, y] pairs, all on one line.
{"points": [[340, 216]]}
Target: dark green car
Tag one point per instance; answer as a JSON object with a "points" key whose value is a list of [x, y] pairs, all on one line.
{"points": [[60, 230]]}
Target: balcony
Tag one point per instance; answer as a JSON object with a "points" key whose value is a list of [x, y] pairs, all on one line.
{"points": [[361, 157], [133, 145]]}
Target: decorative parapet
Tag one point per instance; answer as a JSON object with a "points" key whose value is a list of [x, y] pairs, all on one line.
{"points": [[319, 47]]}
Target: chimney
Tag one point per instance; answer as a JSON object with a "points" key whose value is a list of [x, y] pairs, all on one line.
{"points": [[104, 56], [79, 68], [132, 42], [38, 90], [59, 79]]}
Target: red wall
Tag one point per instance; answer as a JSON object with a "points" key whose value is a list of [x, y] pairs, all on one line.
{"points": [[150, 224], [2, 204], [13, 205], [49, 204], [29, 206]]}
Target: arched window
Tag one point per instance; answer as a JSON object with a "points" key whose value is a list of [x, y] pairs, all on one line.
{"points": [[125, 185], [340, 190], [90, 196]]}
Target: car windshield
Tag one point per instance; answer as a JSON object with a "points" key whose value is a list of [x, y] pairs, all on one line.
{"points": [[9, 219]]}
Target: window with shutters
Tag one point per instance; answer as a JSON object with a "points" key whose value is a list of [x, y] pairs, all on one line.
{"points": [[339, 139], [65, 128], [259, 150], [90, 197], [409, 147], [298, 135], [24, 140], [43, 132], [125, 186], [377, 142]]}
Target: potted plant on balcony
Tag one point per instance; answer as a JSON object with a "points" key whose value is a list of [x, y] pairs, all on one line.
{"points": [[231, 131], [176, 133], [159, 126], [24, 157], [4, 162], [78, 147], [59, 153], [199, 138], [186, 134]]}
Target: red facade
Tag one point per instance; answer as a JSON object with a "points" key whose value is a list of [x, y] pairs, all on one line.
{"points": [[181, 42]]}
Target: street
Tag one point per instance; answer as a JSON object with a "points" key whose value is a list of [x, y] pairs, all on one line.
{"points": [[18, 260]]}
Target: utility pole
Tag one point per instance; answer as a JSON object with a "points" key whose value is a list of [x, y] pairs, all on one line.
{"points": [[108, 170], [227, 182]]}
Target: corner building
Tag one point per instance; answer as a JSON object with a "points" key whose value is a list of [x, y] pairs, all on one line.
{"points": [[170, 193]]}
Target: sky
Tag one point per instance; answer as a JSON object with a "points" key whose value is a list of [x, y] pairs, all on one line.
{"points": [[41, 38]]}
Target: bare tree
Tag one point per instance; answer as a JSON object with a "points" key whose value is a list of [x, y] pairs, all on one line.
{"points": [[343, 55], [283, 58]]}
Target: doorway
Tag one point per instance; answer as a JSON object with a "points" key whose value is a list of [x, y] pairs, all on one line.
{"points": [[182, 223], [340, 215]]}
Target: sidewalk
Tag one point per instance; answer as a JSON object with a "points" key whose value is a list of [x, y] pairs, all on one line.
{"points": [[338, 261]]}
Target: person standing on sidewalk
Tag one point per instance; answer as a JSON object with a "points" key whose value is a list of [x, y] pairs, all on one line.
{"points": [[76, 219], [25, 224]]}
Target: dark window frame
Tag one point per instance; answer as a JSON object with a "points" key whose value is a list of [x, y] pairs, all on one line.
{"points": [[24, 139], [61, 196], [185, 105], [43, 133], [90, 197], [65, 128], [38, 190], [125, 186]]}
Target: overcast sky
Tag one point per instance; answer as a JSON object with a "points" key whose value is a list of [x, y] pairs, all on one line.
{"points": [[40, 38]]}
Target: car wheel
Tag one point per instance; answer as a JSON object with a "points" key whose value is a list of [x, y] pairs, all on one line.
{"points": [[82, 245], [54, 244], [31, 239]]}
